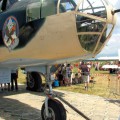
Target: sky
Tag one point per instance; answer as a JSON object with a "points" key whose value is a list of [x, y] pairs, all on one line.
{"points": [[111, 48]]}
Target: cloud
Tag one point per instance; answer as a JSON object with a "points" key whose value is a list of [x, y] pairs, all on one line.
{"points": [[114, 3], [111, 49]]}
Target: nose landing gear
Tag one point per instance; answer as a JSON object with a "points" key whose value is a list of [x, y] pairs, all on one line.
{"points": [[56, 111], [52, 109]]}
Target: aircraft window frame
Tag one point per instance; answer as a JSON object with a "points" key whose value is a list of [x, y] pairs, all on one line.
{"points": [[107, 38], [87, 40], [98, 40], [100, 33], [3, 5], [101, 18], [91, 16], [110, 27], [67, 5], [98, 13], [85, 24], [102, 40], [6, 4], [73, 3], [78, 3], [93, 10]]}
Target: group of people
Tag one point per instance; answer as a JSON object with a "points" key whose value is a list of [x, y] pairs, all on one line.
{"points": [[13, 85], [73, 74]]}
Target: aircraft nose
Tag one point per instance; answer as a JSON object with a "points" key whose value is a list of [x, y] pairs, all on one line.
{"points": [[94, 21]]}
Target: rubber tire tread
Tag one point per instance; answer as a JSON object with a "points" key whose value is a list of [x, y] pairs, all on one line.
{"points": [[58, 108]]}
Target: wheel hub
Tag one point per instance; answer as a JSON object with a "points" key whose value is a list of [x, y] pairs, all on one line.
{"points": [[51, 114]]}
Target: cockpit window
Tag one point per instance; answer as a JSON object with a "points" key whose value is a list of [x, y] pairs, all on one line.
{"points": [[68, 5], [6, 4], [10, 3], [3, 5]]}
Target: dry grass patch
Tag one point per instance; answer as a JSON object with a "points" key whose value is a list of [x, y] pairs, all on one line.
{"points": [[99, 88]]}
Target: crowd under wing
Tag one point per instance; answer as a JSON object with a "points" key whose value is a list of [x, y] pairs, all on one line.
{"points": [[71, 30]]}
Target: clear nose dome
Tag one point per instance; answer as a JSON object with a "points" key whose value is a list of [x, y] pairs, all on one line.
{"points": [[92, 23], [90, 29]]}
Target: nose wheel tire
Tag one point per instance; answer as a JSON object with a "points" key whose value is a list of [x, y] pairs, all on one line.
{"points": [[56, 110]]}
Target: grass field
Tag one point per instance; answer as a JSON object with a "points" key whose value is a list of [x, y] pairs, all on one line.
{"points": [[21, 77], [100, 87]]}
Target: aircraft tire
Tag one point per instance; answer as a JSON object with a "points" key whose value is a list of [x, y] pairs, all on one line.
{"points": [[34, 83], [56, 110]]}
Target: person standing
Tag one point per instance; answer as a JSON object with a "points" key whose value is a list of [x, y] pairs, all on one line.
{"points": [[60, 77], [14, 76], [85, 74], [68, 71]]}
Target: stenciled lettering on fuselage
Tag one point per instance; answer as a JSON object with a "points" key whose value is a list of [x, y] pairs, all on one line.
{"points": [[10, 33]]}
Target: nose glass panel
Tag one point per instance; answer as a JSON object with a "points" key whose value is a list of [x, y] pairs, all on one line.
{"points": [[91, 31], [85, 24], [104, 36], [88, 42], [93, 7], [91, 18]]}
